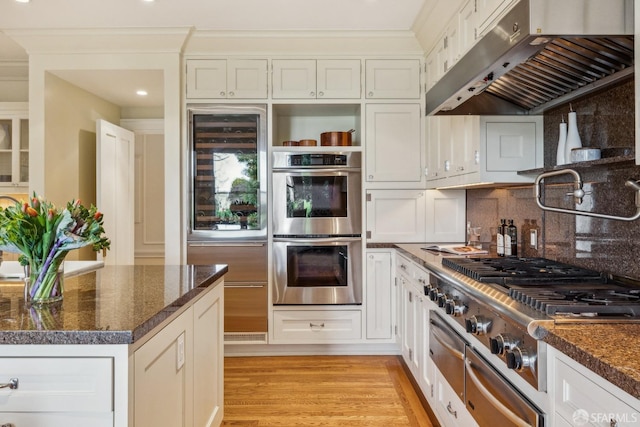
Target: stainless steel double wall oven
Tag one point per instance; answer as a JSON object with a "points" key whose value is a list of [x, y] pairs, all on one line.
{"points": [[317, 227]]}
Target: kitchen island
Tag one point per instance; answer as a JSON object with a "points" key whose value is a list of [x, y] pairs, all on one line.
{"points": [[128, 345]]}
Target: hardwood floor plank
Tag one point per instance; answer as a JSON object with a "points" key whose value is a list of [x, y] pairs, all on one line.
{"points": [[329, 391]]}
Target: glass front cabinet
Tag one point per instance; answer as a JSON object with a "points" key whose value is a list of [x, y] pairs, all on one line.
{"points": [[14, 146]]}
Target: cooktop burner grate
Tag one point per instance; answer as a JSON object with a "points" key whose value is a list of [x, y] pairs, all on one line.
{"points": [[514, 270]]}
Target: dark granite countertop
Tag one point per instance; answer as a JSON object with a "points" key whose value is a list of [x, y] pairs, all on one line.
{"points": [[609, 350], [111, 305]]}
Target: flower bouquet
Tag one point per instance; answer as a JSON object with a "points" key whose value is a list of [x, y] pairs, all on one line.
{"points": [[43, 235]]}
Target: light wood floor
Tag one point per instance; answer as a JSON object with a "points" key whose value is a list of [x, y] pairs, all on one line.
{"points": [[340, 391]]}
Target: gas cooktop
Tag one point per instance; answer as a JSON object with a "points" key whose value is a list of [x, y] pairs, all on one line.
{"points": [[513, 270], [552, 287]]}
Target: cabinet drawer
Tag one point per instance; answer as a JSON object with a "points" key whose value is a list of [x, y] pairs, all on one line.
{"points": [[57, 419], [316, 326], [578, 396], [57, 384]]}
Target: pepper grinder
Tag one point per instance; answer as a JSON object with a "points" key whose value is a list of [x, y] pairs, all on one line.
{"points": [[562, 144], [573, 137]]}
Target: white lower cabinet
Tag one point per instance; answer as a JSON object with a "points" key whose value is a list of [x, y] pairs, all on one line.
{"points": [[581, 397], [451, 411], [379, 296], [316, 326], [162, 379], [57, 391]]}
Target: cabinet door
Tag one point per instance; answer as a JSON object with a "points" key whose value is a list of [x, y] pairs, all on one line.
{"points": [[379, 296], [389, 78], [294, 78], [427, 368], [510, 146], [465, 144], [14, 146], [452, 42], [206, 78], [408, 322], [487, 11], [163, 389], [431, 67], [208, 359], [445, 147], [433, 148], [247, 78], [446, 215], [449, 408], [396, 216], [467, 26], [394, 148], [338, 78]]}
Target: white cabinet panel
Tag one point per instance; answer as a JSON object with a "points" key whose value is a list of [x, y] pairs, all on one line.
{"points": [[57, 384], [488, 11], [311, 79], [396, 216], [510, 146], [208, 359], [389, 78], [163, 392], [394, 147], [14, 146], [316, 326], [226, 78], [379, 296], [446, 215]]}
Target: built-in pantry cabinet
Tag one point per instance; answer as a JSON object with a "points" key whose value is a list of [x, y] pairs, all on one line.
{"points": [[226, 79]]}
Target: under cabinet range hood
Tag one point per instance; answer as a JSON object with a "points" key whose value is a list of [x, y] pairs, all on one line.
{"points": [[540, 54]]}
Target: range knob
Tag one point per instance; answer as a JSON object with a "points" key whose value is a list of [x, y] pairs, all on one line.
{"points": [[477, 325], [518, 358], [455, 307], [443, 299], [501, 343], [434, 294]]}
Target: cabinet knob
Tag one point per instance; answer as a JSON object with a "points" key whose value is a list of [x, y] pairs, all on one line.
{"points": [[370, 94], [12, 384], [320, 93], [222, 93], [312, 94], [231, 93]]}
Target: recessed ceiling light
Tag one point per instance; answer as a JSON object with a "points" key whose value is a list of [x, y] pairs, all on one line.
{"points": [[141, 92]]}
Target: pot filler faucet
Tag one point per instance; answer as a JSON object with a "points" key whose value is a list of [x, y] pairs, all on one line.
{"points": [[579, 193]]}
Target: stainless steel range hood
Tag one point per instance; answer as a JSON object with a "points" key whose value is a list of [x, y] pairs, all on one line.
{"points": [[540, 54]]}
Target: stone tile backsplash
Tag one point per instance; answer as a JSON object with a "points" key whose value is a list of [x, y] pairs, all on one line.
{"points": [[605, 120]]}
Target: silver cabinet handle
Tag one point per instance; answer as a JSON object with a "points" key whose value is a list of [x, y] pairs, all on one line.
{"points": [[12, 384], [452, 411], [316, 325]]}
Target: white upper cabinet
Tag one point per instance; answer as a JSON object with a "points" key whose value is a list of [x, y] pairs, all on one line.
{"points": [[227, 78], [466, 19], [392, 78], [488, 11], [396, 216], [316, 79], [472, 149], [394, 147], [14, 146], [446, 214]]}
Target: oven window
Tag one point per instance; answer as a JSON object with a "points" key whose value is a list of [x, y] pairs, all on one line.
{"points": [[316, 196], [313, 266]]}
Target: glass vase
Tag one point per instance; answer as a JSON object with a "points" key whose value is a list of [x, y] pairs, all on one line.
{"points": [[44, 282]]}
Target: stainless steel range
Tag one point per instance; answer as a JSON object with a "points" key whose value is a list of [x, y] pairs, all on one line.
{"points": [[503, 301]]}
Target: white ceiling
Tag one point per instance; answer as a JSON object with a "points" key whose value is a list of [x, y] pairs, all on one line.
{"points": [[233, 15]]}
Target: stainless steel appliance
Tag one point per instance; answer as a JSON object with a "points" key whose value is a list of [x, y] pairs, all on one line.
{"points": [[228, 209], [488, 395], [313, 270], [228, 185], [539, 55], [317, 193]]}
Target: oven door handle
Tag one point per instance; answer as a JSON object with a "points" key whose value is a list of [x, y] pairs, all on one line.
{"points": [[495, 402], [454, 351], [316, 240]]}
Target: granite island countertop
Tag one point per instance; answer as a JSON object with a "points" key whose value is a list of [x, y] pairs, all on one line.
{"points": [[608, 349], [110, 305]]}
